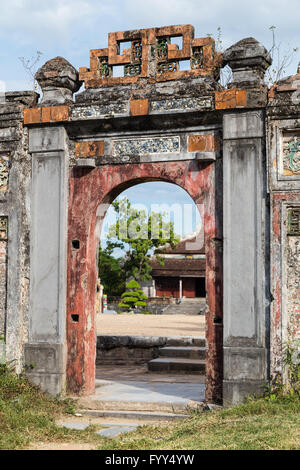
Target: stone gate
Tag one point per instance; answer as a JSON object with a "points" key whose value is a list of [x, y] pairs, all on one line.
{"points": [[235, 150]]}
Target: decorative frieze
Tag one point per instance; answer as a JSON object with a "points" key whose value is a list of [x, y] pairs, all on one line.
{"points": [[291, 154], [182, 104], [162, 48], [98, 111], [197, 58], [105, 70], [132, 70], [147, 146], [164, 67], [4, 170]]}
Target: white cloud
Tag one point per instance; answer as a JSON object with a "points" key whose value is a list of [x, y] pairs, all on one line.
{"points": [[52, 19], [72, 27], [62, 18]]}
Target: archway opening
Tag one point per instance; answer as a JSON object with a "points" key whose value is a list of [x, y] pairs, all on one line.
{"points": [[161, 337], [91, 193]]}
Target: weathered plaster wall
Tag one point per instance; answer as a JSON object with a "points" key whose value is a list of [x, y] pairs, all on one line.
{"points": [[3, 274], [15, 206], [283, 119], [293, 286]]}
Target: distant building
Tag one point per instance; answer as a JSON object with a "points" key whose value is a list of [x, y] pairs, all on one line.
{"points": [[183, 272]]}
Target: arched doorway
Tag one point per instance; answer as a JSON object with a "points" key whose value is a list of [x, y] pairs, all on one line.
{"points": [[96, 188], [176, 271]]}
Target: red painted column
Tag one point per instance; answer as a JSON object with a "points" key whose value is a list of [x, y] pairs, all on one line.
{"points": [[82, 278], [88, 189]]}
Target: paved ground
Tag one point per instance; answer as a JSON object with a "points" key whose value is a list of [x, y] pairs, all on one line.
{"points": [[148, 392], [151, 325], [139, 373], [135, 389]]}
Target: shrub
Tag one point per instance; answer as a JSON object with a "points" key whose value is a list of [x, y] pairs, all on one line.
{"points": [[133, 297]]}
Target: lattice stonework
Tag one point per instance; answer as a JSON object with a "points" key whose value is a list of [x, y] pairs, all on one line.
{"points": [[4, 170], [151, 55], [291, 154]]}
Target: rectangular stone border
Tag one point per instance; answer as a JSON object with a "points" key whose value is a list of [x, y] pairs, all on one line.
{"points": [[280, 131]]}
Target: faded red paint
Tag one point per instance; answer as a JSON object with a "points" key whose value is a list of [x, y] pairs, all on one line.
{"points": [[90, 188]]}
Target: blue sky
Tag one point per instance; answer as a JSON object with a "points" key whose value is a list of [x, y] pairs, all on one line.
{"points": [[147, 196], [70, 28]]}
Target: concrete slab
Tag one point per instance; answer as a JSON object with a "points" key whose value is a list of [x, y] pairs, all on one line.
{"points": [[149, 391], [143, 396], [113, 432], [73, 425], [100, 417]]}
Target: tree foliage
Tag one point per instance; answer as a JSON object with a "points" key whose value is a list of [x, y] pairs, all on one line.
{"points": [[111, 272], [141, 237]]}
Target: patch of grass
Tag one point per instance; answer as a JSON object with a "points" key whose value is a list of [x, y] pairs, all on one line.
{"points": [[27, 415], [257, 425]]}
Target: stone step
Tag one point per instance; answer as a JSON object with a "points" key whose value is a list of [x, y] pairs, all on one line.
{"points": [[177, 365], [113, 341], [194, 308], [186, 341], [189, 352], [134, 415], [97, 403]]}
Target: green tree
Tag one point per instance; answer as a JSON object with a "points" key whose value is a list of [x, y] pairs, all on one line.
{"points": [[111, 271], [141, 236], [133, 297]]}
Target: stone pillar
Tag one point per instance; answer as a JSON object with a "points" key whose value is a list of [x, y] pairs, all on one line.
{"points": [[245, 353], [245, 229], [45, 353]]}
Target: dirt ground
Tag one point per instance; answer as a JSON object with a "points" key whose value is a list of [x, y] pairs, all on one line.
{"points": [[61, 446], [151, 325]]}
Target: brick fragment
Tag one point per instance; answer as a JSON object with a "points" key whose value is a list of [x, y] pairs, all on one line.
{"points": [[32, 115], [203, 143], [88, 149], [59, 113], [139, 107], [229, 99], [47, 114]]}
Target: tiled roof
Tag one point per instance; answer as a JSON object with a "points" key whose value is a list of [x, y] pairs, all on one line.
{"points": [[179, 267]]}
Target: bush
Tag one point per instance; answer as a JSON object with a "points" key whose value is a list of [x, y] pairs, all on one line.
{"points": [[133, 297]]}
